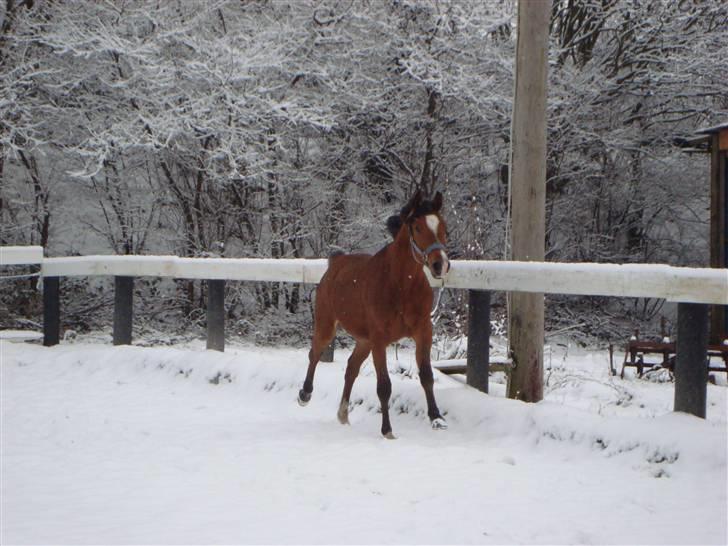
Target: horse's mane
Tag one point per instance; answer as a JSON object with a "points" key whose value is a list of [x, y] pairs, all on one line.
{"points": [[395, 222], [393, 225]]}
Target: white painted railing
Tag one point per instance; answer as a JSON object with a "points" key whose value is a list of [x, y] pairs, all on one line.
{"points": [[679, 284], [21, 255], [234, 269]]}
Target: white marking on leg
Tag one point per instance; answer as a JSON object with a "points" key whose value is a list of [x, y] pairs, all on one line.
{"points": [[439, 424], [343, 413]]}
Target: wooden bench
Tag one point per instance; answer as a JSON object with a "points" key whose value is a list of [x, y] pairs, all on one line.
{"points": [[637, 349], [459, 365]]}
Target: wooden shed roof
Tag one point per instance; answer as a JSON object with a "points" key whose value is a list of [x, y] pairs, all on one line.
{"points": [[713, 130], [700, 141]]}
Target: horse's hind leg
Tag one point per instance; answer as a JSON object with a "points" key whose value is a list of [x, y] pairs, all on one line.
{"points": [[358, 356], [324, 331], [384, 387]]}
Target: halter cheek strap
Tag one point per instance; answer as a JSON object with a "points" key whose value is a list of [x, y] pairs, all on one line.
{"points": [[423, 254]]}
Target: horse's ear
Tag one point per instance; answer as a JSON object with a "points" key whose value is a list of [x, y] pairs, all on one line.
{"points": [[437, 203], [412, 205], [417, 198]]}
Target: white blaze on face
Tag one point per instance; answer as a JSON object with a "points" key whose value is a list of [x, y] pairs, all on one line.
{"points": [[433, 222]]}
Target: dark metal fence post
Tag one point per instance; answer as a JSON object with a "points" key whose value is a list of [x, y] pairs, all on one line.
{"points": [[216, 315], [691, 370], [478, 363], [51, 311], [123, 309]]}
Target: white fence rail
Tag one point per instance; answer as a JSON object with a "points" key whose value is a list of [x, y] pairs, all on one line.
{"points": [[21, 255], [232, 269], [679, 284]]}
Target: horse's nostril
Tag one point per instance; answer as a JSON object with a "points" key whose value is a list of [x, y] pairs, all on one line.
{"points": [[437, 267]]}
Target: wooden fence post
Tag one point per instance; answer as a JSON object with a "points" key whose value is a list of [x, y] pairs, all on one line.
{"points": [[478, 357], [691, 370], [528, 195], [216, 315], [51, 311], [123, 309]]}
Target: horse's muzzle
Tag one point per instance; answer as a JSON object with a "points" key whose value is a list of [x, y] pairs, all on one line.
{"points": [[440, 268]]}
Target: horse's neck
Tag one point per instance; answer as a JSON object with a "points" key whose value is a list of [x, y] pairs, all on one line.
{"points": [[402, 260]]}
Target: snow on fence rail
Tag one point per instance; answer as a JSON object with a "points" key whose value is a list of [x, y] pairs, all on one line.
{"points": [[231, 269], [678, 284], [21, 255], [692, 288]]}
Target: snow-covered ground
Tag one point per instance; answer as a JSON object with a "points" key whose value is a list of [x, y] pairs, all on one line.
{"points": [[119, 445]]}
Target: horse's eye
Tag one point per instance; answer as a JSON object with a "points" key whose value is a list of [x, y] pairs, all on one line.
{"points": [[417, 229]]}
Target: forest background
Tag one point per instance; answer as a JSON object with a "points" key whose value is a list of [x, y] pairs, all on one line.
{"points": [[293, 128]]}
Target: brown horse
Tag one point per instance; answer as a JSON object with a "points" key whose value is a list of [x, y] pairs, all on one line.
{"points": [[382, 298]]}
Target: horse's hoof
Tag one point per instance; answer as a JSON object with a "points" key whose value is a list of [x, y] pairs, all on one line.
{"points": [[343, 413], [390, 436], [439, 424], [303, 397]]}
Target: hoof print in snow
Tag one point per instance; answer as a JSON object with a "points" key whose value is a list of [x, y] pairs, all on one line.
{"points": [[658, 457], [220, 378]]}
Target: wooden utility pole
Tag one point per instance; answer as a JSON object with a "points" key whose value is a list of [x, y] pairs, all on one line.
{"points": [[718, 220], [528, 195]]}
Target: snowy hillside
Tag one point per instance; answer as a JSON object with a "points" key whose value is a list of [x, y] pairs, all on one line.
{"points": [[117, 445]]}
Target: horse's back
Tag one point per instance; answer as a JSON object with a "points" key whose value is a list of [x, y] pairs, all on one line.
{"points": [[344, 268], [341, 297]]}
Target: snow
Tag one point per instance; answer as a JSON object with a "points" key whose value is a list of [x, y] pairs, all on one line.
{"points": [[161, 445]]}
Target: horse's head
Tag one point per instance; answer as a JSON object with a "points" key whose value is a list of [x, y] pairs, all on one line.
{"points": [[426, 230]]}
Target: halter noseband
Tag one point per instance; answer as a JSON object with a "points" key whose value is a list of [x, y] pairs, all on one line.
{"points": [[423, 254]]}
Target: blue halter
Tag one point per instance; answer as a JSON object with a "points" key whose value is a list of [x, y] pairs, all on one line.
{"points": [[423, 254]]}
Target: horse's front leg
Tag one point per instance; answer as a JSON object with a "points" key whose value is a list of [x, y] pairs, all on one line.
{"points": [[422, 353]]}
